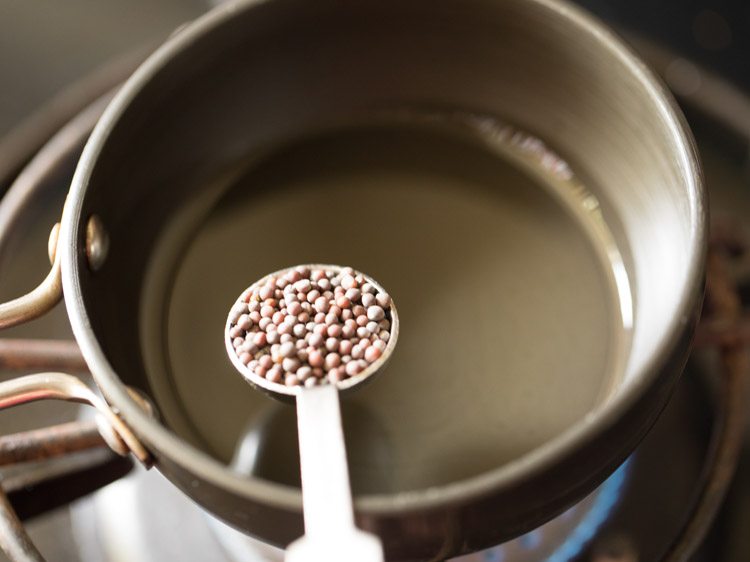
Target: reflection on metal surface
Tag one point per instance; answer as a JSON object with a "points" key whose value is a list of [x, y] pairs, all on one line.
{"points": [[97, 242]]}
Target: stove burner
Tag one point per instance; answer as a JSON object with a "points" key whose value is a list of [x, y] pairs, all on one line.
{"points": [[556, 541], [608, 497]]}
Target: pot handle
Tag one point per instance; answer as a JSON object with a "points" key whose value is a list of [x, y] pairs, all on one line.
{"points": [[60, 386], [40, 300]]}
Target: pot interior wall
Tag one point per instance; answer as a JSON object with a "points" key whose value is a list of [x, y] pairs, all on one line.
{"points": [[503, 299], [282, 71]]}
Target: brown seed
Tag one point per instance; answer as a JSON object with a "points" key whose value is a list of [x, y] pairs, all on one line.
{"points": [[345, 347], [384, 299], [349, 330], [303, 286], [303, 373], [290, 364], [353, 294], [375, 312], [244, 323], [266, 311], [372, 353], [265, 361], [336, 375], [353, 368], [287, 349], [316, 359], [322, 304], [332, 360], [274, 374]]}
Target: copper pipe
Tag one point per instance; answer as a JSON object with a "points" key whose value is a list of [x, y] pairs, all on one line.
{"points": [[41, 355], [14, 541], [719, 332], [50, 442]]}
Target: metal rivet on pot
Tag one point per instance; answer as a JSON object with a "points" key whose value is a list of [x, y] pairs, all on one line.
{"points": [[97, 243], [143, 401]]}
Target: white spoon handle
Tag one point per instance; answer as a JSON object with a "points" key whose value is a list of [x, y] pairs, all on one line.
{"points": [[330, 533]]}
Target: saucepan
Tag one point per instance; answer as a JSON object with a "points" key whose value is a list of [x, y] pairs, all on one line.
{"points": [[217, 100]]}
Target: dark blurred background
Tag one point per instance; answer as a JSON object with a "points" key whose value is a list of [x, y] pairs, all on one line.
{"points": [[46, 45]]}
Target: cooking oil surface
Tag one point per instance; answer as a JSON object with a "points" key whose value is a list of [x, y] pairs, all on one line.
{"points": [[514, 302]]}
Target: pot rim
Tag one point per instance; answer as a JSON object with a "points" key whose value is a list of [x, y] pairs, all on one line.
{"points": [[169, 444]]}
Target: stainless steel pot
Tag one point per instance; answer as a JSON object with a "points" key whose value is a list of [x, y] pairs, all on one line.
{"points": [[252, 73]]}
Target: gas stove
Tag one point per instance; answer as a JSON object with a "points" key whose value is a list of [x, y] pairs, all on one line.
{"points": [[658, 505]]}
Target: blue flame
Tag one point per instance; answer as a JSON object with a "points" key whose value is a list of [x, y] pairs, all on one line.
{"points": [[607, 498]]}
